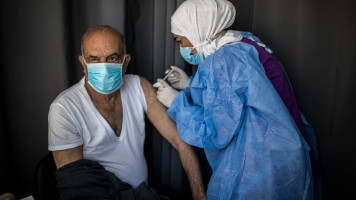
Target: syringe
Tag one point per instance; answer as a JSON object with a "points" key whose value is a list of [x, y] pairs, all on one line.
{"points": [[168, 71], [158, 84]]}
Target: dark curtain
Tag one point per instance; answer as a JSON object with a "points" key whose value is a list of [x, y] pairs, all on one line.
{"points": [[40, 44], [315, 41]]}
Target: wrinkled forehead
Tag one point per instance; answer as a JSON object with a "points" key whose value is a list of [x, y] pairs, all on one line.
{"points": [[103, 40]]}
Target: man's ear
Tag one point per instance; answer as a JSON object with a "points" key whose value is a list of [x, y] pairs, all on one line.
{"points": [[81, 60], [127, 61]]}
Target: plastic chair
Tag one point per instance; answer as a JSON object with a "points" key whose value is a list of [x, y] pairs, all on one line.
{"points": [[44, 179]]}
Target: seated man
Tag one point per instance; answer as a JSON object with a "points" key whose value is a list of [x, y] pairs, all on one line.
{"points": [[101, 118]]}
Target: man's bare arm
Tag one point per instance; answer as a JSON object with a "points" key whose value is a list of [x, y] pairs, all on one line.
{"points": [[158, 116], [67, 156]]}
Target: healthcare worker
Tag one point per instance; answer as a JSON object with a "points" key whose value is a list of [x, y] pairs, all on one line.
{"points": [[239, 107]]}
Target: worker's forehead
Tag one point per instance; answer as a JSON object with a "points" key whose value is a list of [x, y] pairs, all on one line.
{"points": [[175, 35]]}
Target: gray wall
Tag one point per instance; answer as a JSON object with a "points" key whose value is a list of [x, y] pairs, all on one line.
{"points": [[33, 73], [314, 40]]}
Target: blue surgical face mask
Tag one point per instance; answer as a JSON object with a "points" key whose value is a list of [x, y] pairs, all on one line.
{"points": [[195, 59], [105, 78]]}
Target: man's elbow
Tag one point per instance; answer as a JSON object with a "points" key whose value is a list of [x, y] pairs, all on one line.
{"points": [[64, 157]]}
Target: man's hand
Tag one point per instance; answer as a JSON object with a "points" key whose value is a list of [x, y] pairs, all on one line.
{"points": [[157, 114]]}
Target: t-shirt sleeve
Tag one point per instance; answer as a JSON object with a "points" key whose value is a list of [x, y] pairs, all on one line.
{"points": [[141, 94], [63, 131]]}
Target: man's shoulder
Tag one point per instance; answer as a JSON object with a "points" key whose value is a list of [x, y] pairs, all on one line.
{"points": [[133, 80], [130, 78], [137, 87]]}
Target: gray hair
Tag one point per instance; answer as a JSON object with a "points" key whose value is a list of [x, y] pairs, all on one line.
{"points": [[104, 29]]}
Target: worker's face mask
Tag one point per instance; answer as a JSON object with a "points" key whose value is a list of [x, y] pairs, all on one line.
{"points": [[195, 59], [105, 78]]}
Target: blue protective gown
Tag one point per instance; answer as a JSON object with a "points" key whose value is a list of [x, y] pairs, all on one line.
{"points": [[232, 110]]}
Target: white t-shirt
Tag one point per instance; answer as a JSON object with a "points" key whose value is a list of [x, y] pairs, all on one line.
{"points": [[74, 120]]}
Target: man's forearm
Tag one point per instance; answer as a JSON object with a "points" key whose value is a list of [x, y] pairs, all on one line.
{"points": [[157, 114], [191, 166]]}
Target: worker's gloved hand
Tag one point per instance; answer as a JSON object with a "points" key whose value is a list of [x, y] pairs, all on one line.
{"points": [[178, 78], [166, 93]]}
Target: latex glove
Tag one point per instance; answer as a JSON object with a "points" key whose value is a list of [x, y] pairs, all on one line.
{"points": [[178, 78], [166, 93]]}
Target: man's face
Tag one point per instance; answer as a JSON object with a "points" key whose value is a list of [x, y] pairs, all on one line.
{"points": [[100, 47]]}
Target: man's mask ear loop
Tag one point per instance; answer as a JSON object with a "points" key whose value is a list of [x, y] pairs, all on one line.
{"points": [[84, 59]]}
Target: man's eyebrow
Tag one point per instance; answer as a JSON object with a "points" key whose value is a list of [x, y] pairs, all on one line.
{"points": [[114, 54], [175, 38]]}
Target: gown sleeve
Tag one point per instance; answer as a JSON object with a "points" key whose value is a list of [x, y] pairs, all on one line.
{"points": [[210, 112]]}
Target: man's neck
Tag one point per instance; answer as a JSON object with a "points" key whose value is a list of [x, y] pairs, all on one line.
{"points": [[102, 99]]}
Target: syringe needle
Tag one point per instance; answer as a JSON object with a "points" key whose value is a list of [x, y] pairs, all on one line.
{"points": [[167, 75]]}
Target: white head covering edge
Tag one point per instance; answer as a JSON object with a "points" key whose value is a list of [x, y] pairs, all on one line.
{"points": [[201, 20]]}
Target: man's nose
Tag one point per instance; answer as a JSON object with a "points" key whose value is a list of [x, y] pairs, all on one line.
{"points": [[102, 60]]}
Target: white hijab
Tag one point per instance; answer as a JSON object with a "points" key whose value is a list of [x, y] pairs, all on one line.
{"points": [[202, 22]]}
